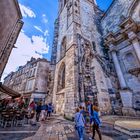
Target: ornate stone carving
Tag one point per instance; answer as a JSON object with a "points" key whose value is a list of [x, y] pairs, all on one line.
{"points": [[135, 72], [87, 82]]}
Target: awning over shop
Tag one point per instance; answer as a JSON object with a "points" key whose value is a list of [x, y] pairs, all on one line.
{"points": [[5, 90]]}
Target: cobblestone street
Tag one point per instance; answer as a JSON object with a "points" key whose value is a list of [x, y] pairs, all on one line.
{"points": [[57, 128], [18, 133]]}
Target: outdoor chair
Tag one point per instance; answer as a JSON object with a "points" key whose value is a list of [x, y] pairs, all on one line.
{"points": [[2, 118], [26, 117], [19, 119], [7, 120]]}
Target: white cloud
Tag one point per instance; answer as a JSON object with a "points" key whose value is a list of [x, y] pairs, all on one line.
{"points": [[22, 31], [26, 11], [44, 19], [38, 28], [27, 47], [45, 33]]}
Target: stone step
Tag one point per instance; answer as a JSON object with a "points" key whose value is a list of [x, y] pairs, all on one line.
{"points": [[132, 134], [134, 139], [29, 138]]}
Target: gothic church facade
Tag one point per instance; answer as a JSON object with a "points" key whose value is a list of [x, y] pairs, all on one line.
{"points": [[96, 55]]}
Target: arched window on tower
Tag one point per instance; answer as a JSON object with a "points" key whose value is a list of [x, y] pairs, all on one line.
{"points": [[63, 48], [61, 77]]}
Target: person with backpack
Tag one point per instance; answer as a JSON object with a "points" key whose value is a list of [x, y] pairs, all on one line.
{"points": [[79, 123], [96, 123]]}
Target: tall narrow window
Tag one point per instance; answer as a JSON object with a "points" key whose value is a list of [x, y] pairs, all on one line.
{"points": [[61, 77], [65, 2], [63, 47], [94, 46]]}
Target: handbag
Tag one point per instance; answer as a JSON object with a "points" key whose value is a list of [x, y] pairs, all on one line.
{"points": [[77, 121]]}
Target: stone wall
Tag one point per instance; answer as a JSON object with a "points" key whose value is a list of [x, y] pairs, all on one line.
{"points": [[55, 42], [9, 17], [132, 81], [64, 100], [121, 31], [62, 30], [78, 23], [71, 89], [135, 11], [42, 81], [89, 28], [10, 28], [103, 95], [115, 15]]}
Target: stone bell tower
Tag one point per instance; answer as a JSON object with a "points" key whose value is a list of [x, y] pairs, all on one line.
{"points": [[79, 76]]}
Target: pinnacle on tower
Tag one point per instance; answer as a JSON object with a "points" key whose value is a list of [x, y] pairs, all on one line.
{"points": [[95, 2]]}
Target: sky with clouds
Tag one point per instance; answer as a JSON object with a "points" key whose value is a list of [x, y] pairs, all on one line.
{"points": [[35, 38]]}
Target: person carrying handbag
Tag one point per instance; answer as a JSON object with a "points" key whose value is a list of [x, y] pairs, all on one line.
{"points": [[79, 123]]}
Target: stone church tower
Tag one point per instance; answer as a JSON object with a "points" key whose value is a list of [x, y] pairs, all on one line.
{"points": [[79, 75]]}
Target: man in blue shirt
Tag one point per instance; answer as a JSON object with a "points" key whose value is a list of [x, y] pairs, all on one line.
{"points": [[49, 110], [96, 122], [80, 123]]}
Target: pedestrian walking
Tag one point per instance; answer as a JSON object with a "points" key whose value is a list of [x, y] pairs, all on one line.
{"points": [[83, 111], [90, 112], [79, 123], [31, 109], [52, 108], [38, 111], [46, 110], [49, 110], [96, 123], [43, 110]]}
